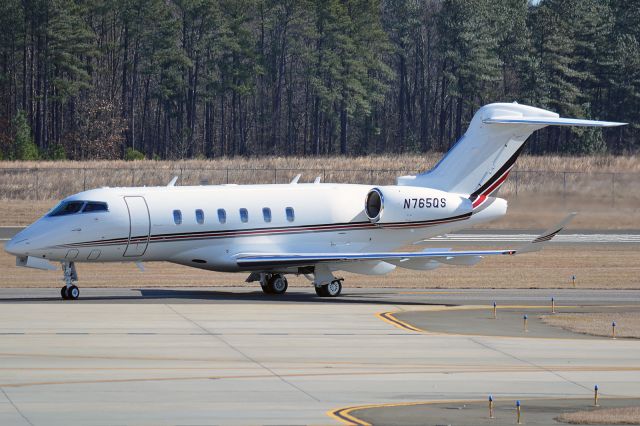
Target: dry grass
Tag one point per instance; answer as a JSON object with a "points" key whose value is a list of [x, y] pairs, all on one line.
{"points": [[589, 164], [597, 323], [585, 176], [533, 213], [611, 267], [23, 212], [603, 416]]}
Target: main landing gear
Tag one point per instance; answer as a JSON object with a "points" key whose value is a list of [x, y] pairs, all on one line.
{"points": [[325, 284], [333, 289], [69, 291], [273, 283]]}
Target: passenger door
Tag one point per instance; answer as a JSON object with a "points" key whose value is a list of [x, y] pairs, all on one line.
{"points": [[139, 226]]}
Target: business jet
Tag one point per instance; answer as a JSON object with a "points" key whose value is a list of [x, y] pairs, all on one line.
{"points": [[314, 229]]}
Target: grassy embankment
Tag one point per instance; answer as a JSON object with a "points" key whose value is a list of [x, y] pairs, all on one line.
{"points": [[538, 204], [597, 323], [536, 198]]}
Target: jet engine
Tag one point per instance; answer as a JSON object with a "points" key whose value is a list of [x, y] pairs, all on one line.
{"points": [[398, 204]]}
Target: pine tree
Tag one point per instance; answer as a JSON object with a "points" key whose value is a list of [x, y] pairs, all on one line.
{"points": [[469, 45], [23, 146]]}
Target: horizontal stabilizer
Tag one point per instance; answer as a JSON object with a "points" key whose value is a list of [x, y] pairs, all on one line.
{"points": [[551, 121]]}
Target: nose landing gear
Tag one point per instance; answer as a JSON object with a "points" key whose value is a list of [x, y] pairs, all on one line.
{"points": [[69, 291]]}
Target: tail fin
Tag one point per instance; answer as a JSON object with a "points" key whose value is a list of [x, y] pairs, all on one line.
{"points": [[480, 161]]}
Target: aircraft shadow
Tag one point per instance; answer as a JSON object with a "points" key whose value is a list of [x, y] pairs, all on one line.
{"points": [[216, 296]]}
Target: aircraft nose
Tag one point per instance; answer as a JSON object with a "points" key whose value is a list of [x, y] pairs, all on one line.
{"points": [[16, 246]]}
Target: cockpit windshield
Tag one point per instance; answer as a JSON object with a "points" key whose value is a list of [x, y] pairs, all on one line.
{"points": [[73, 207], [95, 206]]}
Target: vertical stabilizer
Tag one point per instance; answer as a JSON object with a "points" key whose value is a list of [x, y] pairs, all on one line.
{"points": [[480, 161]]}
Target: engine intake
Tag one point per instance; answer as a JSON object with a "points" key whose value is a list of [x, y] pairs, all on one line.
{"points": [[401, 204], [374, 204]]}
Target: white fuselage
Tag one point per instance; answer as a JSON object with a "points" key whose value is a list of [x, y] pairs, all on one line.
{"points": [[141, 224]]}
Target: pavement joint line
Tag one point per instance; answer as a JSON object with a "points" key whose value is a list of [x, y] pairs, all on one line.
{"points": [[345, 416], [247, 357], [542, 368], [13, 404], [426, 369], [412, 372]]}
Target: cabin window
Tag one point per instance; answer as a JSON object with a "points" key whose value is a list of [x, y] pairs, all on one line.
{"points": [[177, 217], [95, 206], [244, 215], [222, 216], [199, 216], [291, 216], [67, 207], [266, 213]]}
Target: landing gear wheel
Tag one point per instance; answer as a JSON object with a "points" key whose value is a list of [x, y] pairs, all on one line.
{"points": [[333, 289], [69, 291], [266, 289], [277, 284], [73, 292]]}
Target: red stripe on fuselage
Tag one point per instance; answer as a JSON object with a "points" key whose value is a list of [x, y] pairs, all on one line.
{"points": [[482, 197]]}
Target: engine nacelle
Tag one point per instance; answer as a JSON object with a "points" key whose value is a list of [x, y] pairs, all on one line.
{"points": [[397, 204]]}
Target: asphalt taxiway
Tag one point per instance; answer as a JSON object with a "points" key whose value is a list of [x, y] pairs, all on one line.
{"points": [[234, 356]]}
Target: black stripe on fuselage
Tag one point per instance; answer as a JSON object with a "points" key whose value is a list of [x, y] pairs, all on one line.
{"points": [[498, 174], [187, 236]]}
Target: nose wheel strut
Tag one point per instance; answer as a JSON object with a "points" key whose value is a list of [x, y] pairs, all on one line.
{"points": [[69, 291]]}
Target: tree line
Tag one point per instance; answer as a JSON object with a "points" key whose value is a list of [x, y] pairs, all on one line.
{"points": [[106, 79]]}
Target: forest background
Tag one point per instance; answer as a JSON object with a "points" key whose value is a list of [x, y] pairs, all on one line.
{"points": [[175, 79]]}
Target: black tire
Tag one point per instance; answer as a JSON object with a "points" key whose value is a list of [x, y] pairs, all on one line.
{"points": [[334, 288], [320, 291], [63, 293], [278, 284], [265, 289], [73, 293]]}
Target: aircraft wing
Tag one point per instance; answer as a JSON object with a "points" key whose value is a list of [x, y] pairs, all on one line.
{"points": [[470, 257]]}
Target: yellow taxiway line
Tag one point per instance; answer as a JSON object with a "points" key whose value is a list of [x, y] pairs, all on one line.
{"points": [[345, 416], [389, 317]]}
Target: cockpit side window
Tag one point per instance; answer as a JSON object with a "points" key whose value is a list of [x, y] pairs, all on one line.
{"points": [[95, 206], [67, 207]]}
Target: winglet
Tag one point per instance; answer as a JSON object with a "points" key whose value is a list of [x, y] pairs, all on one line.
{"points": [[173, 181], [539, 242], [296, 179]]}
